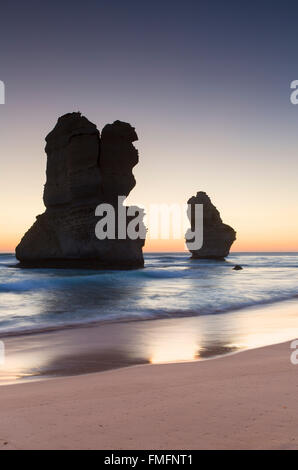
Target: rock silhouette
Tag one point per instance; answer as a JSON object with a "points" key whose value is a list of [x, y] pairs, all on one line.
{"points": [[237, 268], [84, 170], [118, 157], [217, 236]]}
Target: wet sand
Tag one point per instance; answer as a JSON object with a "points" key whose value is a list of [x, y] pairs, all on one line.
{"points": [[241, 401], [101, 347]]}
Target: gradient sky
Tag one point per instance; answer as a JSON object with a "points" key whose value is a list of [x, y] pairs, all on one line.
{"points": [[205, 83]]}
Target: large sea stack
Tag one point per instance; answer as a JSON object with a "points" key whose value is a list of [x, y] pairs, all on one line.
{"points": [[217, 236], [84, 170]]}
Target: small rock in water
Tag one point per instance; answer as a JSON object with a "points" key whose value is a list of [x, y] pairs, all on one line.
{"points": [[237, 267]]}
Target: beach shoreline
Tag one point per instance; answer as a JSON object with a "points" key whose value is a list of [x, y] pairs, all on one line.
{"points": [[241, 401], [107, 346]]}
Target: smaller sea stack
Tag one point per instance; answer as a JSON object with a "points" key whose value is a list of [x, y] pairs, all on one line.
{"points": [[217, 236]]}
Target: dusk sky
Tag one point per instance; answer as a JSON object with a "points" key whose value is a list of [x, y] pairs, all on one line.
{"points": [[205, 83]]}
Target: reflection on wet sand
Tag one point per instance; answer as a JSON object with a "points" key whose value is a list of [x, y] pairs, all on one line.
{"points": [[176, 348], [108, 346]]}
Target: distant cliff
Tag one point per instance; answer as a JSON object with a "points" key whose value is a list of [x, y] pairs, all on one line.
{"points": [[84, 169], [217, 236]]}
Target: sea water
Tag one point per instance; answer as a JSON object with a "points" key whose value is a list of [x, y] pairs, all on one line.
{"points": [[171, 285]]}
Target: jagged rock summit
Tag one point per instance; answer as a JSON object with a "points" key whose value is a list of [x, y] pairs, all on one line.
{"points": [[217, 236], [84, 170]]}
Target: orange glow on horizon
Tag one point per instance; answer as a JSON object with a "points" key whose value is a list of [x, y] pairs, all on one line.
{"points": [[8, 245], [239, 246]]}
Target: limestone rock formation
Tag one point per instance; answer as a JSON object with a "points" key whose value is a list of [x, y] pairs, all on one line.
{"points": [[217, 236], [118, 157], [84, 170]]}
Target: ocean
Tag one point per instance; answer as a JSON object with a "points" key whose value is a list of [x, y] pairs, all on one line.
{"points": [[170, 286]]}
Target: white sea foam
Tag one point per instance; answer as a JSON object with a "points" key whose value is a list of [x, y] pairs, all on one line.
{"points": [[170, 285]]}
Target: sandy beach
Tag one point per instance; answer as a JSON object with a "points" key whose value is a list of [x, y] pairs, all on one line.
{"points": [[240, 401]]}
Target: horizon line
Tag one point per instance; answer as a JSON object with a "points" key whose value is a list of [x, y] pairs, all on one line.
{"points": [[187, 252]]}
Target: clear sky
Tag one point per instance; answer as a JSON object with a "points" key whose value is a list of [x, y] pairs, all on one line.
{"points": [[205, 83]]}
